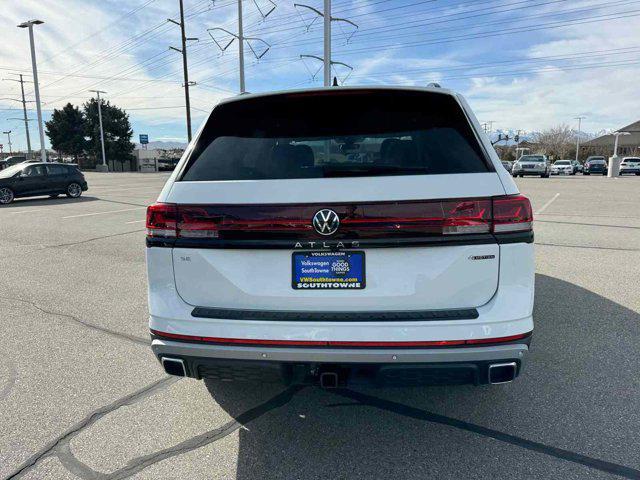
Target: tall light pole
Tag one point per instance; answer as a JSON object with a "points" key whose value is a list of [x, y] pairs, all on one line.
{"points": [[8, 134], [103, 167], [579, 118], [614, 162], [29, 24]]}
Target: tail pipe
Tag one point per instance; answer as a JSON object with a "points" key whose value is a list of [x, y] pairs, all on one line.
{"points": [[174, 366], [502, 372]]}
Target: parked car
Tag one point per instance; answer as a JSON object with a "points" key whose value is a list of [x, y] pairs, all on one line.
{"points": [[630, 165], [531, 165], [507, 165], [595, 165], [167, 163], [562, 167], [271, 256], [33, 179], [577, 166]]}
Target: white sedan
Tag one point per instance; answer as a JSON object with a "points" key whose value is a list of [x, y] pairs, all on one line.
{"points": [[562, 167]]}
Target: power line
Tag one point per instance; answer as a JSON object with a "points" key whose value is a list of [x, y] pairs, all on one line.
{"points": [[128, 14]]}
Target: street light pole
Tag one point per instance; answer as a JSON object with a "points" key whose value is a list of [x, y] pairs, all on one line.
{"points": [[614, 164], [104, 167], [29, 24], [8, 134], [579, 118]]}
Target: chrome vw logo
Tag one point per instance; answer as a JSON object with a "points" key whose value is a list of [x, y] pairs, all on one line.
{"points": [[326, 222]]}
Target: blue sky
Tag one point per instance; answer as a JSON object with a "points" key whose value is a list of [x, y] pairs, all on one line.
{"points": [[522, 64]]}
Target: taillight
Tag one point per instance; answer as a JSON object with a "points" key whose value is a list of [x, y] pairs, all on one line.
{"points": [[162, 220], [466, 216], [512, 214], [197, 222], [366, 221]]}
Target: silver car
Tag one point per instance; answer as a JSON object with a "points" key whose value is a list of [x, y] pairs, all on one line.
{"points": [[531, 165]]}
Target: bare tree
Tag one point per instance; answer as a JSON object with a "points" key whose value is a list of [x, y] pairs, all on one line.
{"points": [[557, 142]]}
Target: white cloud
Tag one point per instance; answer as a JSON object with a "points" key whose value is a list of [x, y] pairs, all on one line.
{"points": [[558, 92]]}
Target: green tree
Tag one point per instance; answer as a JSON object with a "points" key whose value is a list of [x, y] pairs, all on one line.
{"points": [[116, 127], [66, 131]]}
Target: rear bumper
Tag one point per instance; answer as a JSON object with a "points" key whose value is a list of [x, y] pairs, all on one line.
{"points": [[426, 366]]}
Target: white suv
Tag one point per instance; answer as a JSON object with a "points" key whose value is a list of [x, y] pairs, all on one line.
{"points": [[341, 235], [630, 165]]}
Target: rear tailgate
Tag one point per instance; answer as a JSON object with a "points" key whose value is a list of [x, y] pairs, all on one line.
{"points": [[436, 276]]}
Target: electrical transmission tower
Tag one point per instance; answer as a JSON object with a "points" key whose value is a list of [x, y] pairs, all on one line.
{"points": [[327, 19], [183, 51], [240, 37]]}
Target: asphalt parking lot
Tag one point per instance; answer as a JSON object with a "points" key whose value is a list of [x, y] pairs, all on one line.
{"points": [[81, 395]]}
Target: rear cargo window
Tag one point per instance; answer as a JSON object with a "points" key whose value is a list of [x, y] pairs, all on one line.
{"points": [[336, 134]]}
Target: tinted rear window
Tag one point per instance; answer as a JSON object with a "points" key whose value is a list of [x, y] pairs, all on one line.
{"points": [[531, 158], [336, 134]]}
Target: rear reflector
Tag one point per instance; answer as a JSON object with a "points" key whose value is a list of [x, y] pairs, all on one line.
{"points": [[384, 220], [336, 343]]}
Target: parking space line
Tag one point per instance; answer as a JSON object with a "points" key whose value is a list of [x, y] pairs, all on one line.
{"points": [[104, 213], [546, 205], [136, 221]]}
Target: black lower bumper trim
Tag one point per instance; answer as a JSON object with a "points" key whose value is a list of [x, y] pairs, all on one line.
{"points": [[418, 374], [304, 316]]}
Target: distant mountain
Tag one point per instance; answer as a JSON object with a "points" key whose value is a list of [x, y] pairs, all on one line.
{"points": [[164, 145]]}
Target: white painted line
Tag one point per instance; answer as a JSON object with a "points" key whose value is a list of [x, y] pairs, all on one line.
{"points": [[104, 213], [136, 221], [546, 205]]}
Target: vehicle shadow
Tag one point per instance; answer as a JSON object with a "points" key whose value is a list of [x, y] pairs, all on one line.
{"points": [[46, 201], [579, 391]]}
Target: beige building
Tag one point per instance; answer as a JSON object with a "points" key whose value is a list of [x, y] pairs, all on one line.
{"points": [[628, 145]]}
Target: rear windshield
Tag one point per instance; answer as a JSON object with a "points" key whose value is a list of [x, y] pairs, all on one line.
{"points": [[596, 160], [531, 158], [563, 162], [336, 134]]}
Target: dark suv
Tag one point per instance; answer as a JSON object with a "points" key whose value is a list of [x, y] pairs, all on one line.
{"points": [[31, 179], [595, 165]]}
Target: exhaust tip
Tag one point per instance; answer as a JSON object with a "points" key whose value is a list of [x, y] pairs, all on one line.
{"points": [[174, 366], [502, 372]]}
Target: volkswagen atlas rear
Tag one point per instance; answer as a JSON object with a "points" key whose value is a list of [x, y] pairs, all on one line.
{"points": [[341, 235]]}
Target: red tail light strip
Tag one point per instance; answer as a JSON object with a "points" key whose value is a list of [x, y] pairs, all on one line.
{"points": [[429, 218], [331, 343]]}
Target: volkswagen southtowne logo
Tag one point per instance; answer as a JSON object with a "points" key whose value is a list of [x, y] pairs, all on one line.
{"points": [[326, 222]]}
